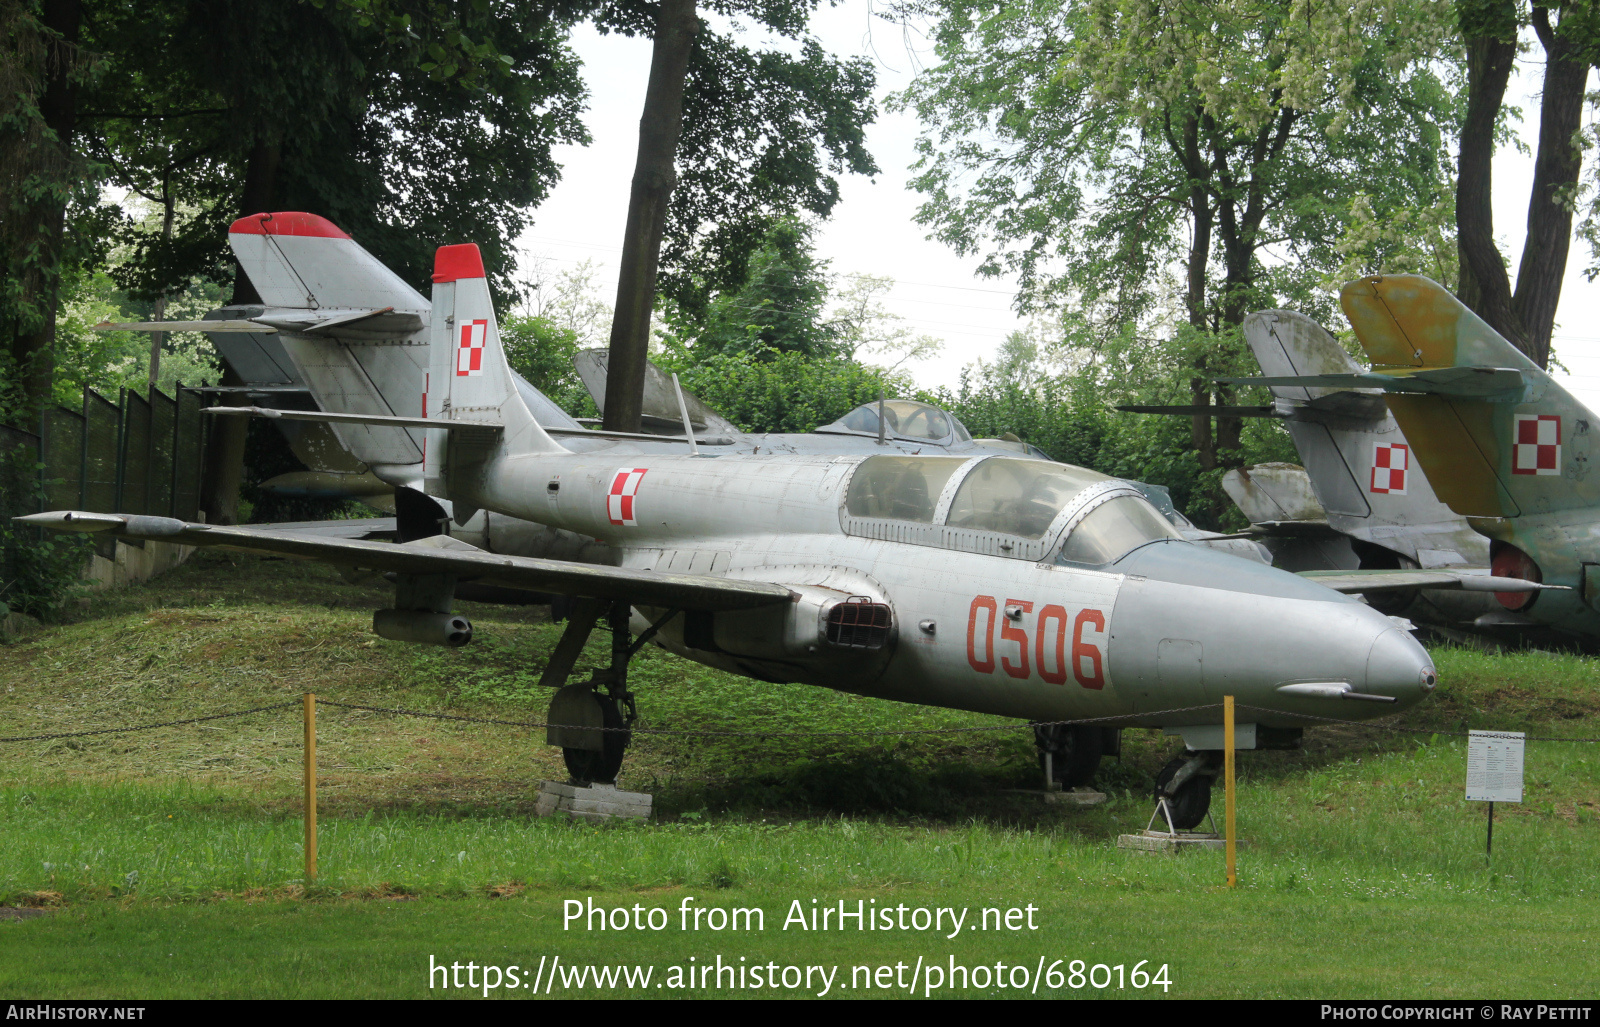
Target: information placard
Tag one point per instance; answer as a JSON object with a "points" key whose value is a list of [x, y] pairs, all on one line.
{"points": [[1494, 766]]}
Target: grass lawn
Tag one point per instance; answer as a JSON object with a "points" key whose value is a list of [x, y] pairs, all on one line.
{"points": [[1245, 944], [170, 863]]}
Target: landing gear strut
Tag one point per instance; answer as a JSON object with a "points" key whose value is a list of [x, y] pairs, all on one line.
{"points": [[1184, 786], [591, 726]]}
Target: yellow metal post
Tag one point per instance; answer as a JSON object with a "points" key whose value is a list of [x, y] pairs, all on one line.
{"points": [[1227, 784], [311, 787]]}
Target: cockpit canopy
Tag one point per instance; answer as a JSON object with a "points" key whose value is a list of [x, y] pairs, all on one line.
{"points": [[903, 419], [965, 501]]}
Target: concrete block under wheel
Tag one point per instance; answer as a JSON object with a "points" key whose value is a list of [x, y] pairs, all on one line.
{"points": [[1075, 797], [596, 802], [1161, 841]]}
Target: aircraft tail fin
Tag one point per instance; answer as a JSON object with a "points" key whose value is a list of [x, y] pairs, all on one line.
{"points": [[1520, 451], [296, 259], [1357, 460], [469, 378], [352, 328]]}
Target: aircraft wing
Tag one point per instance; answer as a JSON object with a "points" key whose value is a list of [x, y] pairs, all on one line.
{"points": [[440, 555], [1352, 582], [1474, 382]]}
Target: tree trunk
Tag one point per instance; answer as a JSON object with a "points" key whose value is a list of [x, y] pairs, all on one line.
{"points": [[654, 176], [1195, 283], [159, 311], [224, 467], [1484, 286], [1555, 178], [42, 228]]}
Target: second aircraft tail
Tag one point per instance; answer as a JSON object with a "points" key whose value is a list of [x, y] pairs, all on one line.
{"points": [[1497, 436]]}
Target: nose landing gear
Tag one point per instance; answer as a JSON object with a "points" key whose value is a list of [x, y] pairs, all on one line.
{"points": [[1183, 789]]}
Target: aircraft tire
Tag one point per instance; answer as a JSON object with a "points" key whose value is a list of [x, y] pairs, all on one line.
{"points": [[586, 766], [1075, 751], [1190, 803]]}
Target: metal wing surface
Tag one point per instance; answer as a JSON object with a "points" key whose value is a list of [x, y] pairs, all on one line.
{"points": [[1352, 582], [650, 588]]}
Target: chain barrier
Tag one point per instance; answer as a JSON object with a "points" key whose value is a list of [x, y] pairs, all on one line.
{"points": [[719, 733], [714, 732], [1398, 727], [152, 727]]}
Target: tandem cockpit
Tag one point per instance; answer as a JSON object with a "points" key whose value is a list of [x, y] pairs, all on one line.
{"points": [[1002, 506]]}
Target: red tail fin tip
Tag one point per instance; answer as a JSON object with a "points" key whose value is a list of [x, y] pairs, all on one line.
{"points": [[291, 222], [454, 262]]}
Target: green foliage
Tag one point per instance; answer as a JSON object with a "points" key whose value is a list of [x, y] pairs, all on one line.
{"points": [[1087, 147], [782, 392], [109, 361], [764, 134], [777, 310], [40, 571], [313, 108], [541, 351], [1069, 415]]}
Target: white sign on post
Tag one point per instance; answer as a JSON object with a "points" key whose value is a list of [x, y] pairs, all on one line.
{"points": [[1494, 766]]}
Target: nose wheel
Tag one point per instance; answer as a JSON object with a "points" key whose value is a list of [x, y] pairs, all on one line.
{"points": [[1184, 787]]}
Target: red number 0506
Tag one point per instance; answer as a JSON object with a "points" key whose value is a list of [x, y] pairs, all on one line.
{"points": [[1048, 655]]}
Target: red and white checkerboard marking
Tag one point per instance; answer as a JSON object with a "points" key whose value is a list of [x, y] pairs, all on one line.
{"points": [[619, 500], [469, 355], [1536, 444], [1390, 462]]}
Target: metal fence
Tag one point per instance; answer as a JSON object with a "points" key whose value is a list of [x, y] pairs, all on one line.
{"points": [[141, 454]]}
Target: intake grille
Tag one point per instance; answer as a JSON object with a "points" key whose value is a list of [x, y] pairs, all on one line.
{"points": [[859, 623]]}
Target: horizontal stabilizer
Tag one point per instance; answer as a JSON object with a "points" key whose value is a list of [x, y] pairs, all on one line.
{"points": [[1464, 382], [1192, 410], [381, 420], [186, 326], [381, 321], [1351, 582], [648, 588]]}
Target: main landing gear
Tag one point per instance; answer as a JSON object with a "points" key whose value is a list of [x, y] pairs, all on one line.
{"points": [[1183, 789], [590, 725], [1069, 754]]}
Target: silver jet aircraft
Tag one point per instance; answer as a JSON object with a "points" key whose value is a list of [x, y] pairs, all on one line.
{"points": [[996, 584], [339, 325]]}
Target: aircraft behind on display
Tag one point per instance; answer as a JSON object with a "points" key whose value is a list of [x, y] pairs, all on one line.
{"points": [[993, 583], [1358, 503], [1378, 509], [340, 333], [1504, 445]]}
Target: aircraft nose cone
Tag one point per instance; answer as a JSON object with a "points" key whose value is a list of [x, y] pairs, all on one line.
{"points": [[1397, 665]]}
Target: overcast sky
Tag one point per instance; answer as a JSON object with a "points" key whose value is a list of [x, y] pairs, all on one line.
{"points": [[873, 228]]}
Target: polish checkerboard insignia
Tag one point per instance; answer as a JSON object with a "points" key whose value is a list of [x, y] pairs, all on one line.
{"points": [[1536, 444], [469, 355], [1390, 462], [620, 497]]}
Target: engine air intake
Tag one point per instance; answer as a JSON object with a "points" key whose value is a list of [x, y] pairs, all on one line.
{"points": [[859, 623]]}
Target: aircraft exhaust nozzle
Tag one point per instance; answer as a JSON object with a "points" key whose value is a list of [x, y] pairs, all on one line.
{"points": [[422, 626]]}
